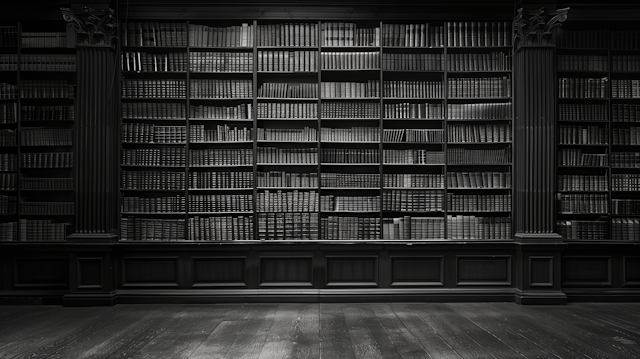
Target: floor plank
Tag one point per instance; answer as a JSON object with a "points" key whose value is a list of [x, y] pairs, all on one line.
{"points": [[363, 342], [294, 331], [335, 341], [251, 339], [406, 343]]}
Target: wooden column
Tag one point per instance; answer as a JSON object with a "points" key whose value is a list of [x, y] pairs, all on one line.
{"points": [[535, 78]]}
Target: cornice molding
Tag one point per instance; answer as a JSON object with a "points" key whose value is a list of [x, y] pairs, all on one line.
{"points": [[535, 27], [93, 27]]}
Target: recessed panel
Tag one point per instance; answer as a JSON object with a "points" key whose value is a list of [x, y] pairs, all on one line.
{"points": [[586, 271], [89, 273], [285, 271], [632, 271], [219, 271], [150, 272], [484, 270], [41, 272], [352, 271], [541, 271], [417, 271]]}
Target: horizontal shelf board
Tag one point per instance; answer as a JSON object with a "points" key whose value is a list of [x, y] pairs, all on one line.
{"points": [[288, 118], [480, 143], [595, 72], [349, 164], [478, 47], [47, 214], [413, 164], [154, 143], [222, 72], [219, 189], [128, 72], [31, 146], [301, 99], [413, 98], [155, 166], [455, 212], [410, 211], [479, 71], [412, 143], [478, 119], [581, 120], [583, 191], [415, 71], [414, 188], [128, 47], [625, 98], [155, 213], [479, 164], [155, 118], [479, 188], [260, 72], [366, 142], [587, 214], [414, 119], [479, 98], [625, 145], [286, 164], [288, 188], [349, 47], [226, 212], [228, 48], [221, 119], [625, 168], [637, 191], [220, 166], [222, 98], [218, 142], [603, 167], [584, 98], [152, 190], [585, 144], [155, 98], [350, 70], [269, 141], [46, 168], [284, 47], [359, 212], [350, 98], [44, 190]]}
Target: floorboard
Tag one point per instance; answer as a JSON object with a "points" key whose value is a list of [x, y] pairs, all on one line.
{"points": [[329, 330]]}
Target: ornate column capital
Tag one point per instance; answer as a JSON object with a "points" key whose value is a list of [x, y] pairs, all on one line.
{"points": [[535, 27], [93, 27]]}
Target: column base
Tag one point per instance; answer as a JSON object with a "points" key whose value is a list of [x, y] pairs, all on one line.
{"points": [[538, 238], [92, 238]]}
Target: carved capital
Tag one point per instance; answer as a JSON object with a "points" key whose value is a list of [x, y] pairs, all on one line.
{"points": [[535, 27], [93, 27]]}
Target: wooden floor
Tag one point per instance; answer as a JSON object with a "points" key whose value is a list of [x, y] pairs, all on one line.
{"points": [[403, 330]]}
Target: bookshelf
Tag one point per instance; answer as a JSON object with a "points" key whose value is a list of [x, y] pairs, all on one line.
{"points": [[597, 195], [37, 105], [316, 130]]}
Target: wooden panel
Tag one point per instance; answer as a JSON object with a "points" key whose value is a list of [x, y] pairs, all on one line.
{"points": [[483, 270], [277, 271], [90, 274], [352, 271], [150, 272], [586, 271], [631, 271], [541, 271], [219, 271], [41, 272], [417, 271]]}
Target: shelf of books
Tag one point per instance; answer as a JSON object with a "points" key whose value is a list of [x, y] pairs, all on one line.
{"points": [[598, 193], [316, 131], [37, 105]]}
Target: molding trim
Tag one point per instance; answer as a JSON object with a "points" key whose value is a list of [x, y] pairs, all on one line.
{"points": [[535, 27], [93, 27]]}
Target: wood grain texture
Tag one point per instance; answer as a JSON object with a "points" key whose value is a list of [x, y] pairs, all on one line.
{"points": [[329, 330]]}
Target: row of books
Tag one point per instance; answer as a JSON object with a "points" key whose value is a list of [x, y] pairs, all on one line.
{"points": [[413, 228], [582, 62], [43, 230], [221, 157], [582, 112], [288, 90], [413, 135], [413, 110], [350, 180], [336, 203], [350, 110], [287, 110], [479, 133], [164, 204], [288, 34], [46, 89], [8, 230], [349, 34], [8, 113], [470, 227], [480, 111], [350, 228], [47, 160], [8, 162], [168, 88], [160, 180], [350, 155], [478, 202], [413, 89], [46, 183], [241, 111], [219, 36], [286, 155], [479, 87], [8, 204], [626, 136], [44, 39], [46, 137], [287, 61], [487, 179], [625, 39], [305, 134], [215, 203], [163, 156], [8, 91], [38, 62], [479, 33], [583, 39], [413, 200], [625, 88], [625, 229], [412, 156], [460, 156], [156, 110], [625, 63], [220, 228], [152, 62], [222, 179], [286, 179], [220, 62], [8, 182], [152, 133], [221, 133], [493, 61], [576, 157], [583, 203], [414, 62], [287, 226], [287, 201], [331, 89], [583, 135], [572, 230], [582, 87], [625, 206], [47, 208], [47, 113], [573, 182], [625, 112], [7, 137], [8, 36], [221, 88], [625, 182], [350, 134], [149, 33], [151, 229], [625, 159], [353, 60], [409, 180]]}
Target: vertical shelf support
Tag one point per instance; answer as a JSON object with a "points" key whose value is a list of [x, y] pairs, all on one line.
{"points": [[535, 73]]}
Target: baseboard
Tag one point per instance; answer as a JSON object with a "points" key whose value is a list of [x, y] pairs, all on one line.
{"points": [[530, 297], [90, 299], [603, 295]]}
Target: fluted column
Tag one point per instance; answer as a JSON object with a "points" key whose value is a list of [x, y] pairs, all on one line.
{"points": [[535, 76], [96, 125]]}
